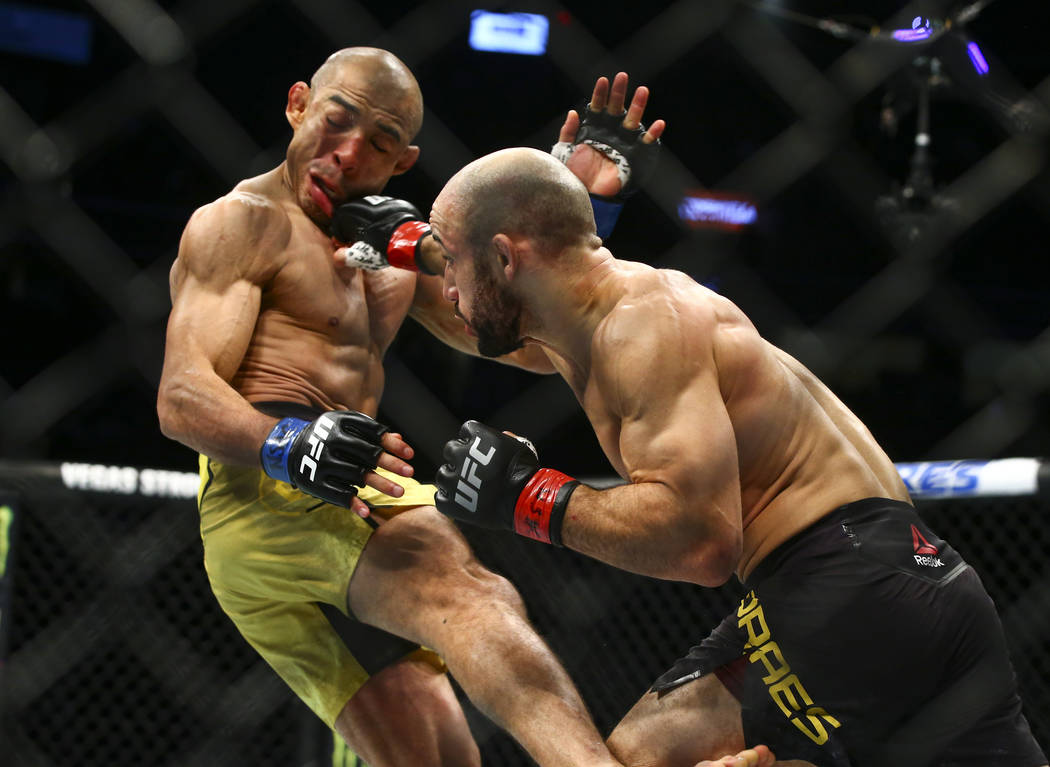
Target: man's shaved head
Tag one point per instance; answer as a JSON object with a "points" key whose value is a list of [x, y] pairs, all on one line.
{"points": [[384, 70], [520, 192]]}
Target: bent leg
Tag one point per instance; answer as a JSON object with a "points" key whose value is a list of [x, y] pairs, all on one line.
{"points": [[418, 578], [408, 714]]}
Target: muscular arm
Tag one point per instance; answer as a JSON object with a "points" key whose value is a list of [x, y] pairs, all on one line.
{"points": [[679, 518], [226, 255]]}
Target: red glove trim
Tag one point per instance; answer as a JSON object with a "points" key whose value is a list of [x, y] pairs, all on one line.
{"points": [[532, 512], [401, 250]]}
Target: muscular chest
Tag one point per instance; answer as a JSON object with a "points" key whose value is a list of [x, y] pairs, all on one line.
{"points": [[347, 306]]}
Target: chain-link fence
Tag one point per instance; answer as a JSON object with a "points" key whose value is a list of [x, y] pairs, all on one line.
{"points": [[901, 189], [118, 654]]}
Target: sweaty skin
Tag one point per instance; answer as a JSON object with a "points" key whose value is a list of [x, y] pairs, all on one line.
{"points": [[259, 311], [730, 446], [264, 310]]}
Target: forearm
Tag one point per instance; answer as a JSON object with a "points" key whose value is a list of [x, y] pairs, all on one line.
{"points": [[206, 414], [643, 528]]}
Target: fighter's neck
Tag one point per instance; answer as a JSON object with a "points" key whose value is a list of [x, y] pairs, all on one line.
{"points": [[274, 183], [574, 304]]}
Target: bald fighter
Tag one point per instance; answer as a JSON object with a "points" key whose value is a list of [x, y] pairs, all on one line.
{"points": [[863, 637], [273, 373]]}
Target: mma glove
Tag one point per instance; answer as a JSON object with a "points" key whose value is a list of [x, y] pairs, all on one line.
{"points": [[494, 480], [634, 159], [385, 231], [327, 457]]}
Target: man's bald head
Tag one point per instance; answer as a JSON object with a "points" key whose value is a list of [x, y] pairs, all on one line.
{"points": [[520, 192], [385, 71]]}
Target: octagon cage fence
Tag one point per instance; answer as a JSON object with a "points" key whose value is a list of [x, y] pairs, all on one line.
{"points": [[116, 652]]}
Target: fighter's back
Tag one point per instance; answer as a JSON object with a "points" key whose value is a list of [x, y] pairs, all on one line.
{"points": [[801, 451]]}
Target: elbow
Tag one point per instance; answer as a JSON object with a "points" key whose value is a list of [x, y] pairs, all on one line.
{"points": [[713, 560], [169, 411]]}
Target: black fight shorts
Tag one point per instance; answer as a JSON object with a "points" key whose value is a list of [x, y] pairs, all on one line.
{"points": [[867, 641]]}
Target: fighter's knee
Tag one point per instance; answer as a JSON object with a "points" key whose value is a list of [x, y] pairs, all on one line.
{"points": [[446, 572]]}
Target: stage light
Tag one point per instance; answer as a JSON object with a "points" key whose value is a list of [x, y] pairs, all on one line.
{"points": [[524, 33], [716, 210], [921, 29], [979, 62], [45, 33]]}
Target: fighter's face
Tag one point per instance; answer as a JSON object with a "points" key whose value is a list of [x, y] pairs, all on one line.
{"points": [[496, 315], [350, 138], [484, 301]]}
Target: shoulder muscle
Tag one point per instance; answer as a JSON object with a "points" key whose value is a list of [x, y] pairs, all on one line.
{"points": [[241, 236]]}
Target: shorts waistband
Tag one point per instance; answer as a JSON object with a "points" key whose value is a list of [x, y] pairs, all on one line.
{"points": [[828, 525], [279, 409]]}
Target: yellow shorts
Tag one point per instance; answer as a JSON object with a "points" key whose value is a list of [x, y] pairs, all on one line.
{"points": [[274, 555]]}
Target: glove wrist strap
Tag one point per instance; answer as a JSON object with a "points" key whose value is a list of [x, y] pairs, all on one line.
{"points": [[540, 509], [606, 212], [403, 249], [274, 452]]}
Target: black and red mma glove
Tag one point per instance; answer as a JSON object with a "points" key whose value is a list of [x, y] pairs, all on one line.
{"points": [[384, 231], [494, 480]]}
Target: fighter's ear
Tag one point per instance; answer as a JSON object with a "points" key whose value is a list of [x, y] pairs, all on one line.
{"points": [[408, 158], [507, 253], [298, 100]]}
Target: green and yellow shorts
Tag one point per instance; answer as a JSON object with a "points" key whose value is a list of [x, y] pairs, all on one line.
{"points": [[280, 562]]}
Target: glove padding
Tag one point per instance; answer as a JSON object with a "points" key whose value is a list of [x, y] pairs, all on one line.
{"points": [[385, 231], [327, 457], [493, 480], [603, 132]]}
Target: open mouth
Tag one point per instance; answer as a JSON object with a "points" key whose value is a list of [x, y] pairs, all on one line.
{"points": [[322, 195]]}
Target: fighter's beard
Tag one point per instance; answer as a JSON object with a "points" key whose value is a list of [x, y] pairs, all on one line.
{"points": [[497, 317]]}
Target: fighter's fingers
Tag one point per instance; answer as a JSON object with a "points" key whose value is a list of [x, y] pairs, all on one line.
{"points": [[617, 94], [570, 127], [360, 508], [395, 465], [395, 444], [655, 131], [766, 758], [383, 484], [634, 113], [600, 96], [747, 758]]}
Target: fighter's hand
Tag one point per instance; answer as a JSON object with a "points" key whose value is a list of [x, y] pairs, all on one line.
{"points": [[333, 455], [384, 231], [759, 756], [609, 149], [493, 479]]}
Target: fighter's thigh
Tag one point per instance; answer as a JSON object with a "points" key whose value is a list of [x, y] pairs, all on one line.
{"points": [[416, 571], [408, 714], [698, 720]]}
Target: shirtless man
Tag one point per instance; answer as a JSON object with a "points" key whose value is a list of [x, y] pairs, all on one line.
{"points": [[863, 638], [270, 345]]}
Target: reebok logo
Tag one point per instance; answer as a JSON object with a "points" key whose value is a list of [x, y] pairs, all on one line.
{"points": [[925, 552]]}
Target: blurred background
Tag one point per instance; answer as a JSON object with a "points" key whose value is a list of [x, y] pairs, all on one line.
{"points": [[871, 187]]}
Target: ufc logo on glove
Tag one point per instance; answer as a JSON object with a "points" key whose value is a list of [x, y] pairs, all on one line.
{"points": [[514, 492], [467, 492], [319, 433]]}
